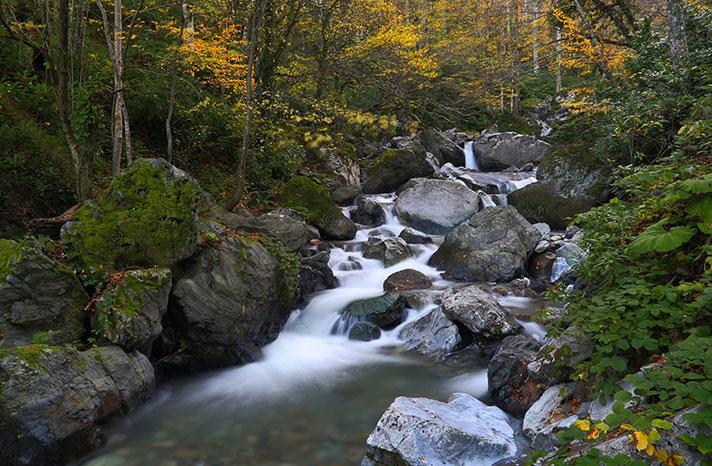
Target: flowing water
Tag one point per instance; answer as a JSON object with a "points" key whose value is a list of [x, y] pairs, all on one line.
{"points": [[315, 396], [470, 160]]}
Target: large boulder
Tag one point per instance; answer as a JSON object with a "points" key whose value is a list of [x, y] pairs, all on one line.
{"points": [[432, 334], [40, 298], [479, 312], [368, 212], [509, 383], [129, 312], [54, 398], [394, 167], [390, 251], [436, 206], [343, 174], [148, 216], [231, 299], [288, 226], [406, 280], [493, 245], [315, 274], [314, 201], [498, 151], [419, 431], [443, 148], [571, 181], [386, 311]]}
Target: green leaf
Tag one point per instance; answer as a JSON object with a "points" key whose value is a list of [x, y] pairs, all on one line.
{"points": [[661, 424], [659, 239], [702, 208], [699, 185]]}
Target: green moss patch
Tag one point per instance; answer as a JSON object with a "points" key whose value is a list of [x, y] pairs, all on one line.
{"points": [[10, 253], [148, 216], [311, 199], [30, 354]]}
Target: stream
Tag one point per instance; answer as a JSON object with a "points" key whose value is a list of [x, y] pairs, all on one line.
{"points": [[315, 396]]}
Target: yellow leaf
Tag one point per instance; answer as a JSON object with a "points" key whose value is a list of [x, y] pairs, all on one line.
{"points": [[650, 450], [641, 440], [584, 425]]}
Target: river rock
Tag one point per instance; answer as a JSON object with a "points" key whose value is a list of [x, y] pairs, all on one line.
{"points": [[543, 228], [571, 180], [148, 216], [288, 226], [491, 183], [390, 251], [394, 167], [572, 253], [508, 381], [414, 237], [53, 399], [230, 300], [406, 280], [436, 206], [129, 313], [364, 331], [315, 274], [547, 416], [386, 311], [314, 201], [343, 174], [498, 151], [444, 149], [432, 334], [463, 431], [539, 268], [39, 297], [553, 363], [493, 245], [368, 212], [479, 312]]}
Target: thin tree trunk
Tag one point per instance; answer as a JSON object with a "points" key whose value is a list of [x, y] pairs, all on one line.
{"points": [[82, 164], [677, 36], [536, 13], [127, 131], [172, 90], [257, 13], [559, 79]]}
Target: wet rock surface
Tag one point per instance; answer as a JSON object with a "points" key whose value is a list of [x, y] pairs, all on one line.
{"points": [[509, 382], [479, 312], [390, 251], [433, 335], [407, 280], [499, 151]]}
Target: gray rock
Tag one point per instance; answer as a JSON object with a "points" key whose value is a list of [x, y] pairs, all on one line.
{"points": [[571, 231], [490, 182], [364, 331], [414, 237], [498, 151], [436, 206], [315, 274], [545, 418], [406, 280], [394, 167], [386, 311], [493, 245], [508, 381], [463, 431], [572, 253], [539, 268], [390, 251], [542, 246], [444, 149], [418, 299], [53, 399], [479, 312], [343, 174], [232, 299], [368, 212], [129, 314], [543, 228], [38, 297], [288, 226], [554, 361], [433, 335]]}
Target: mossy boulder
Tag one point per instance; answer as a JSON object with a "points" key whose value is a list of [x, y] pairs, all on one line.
{"points": [[53, 399], [394, 167], [41, 299], [229, 301], [314, 201], [386, 311], [571, 180], [148, 216], [129, 313]]}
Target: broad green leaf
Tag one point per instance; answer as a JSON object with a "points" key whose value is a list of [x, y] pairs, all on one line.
{"points": [[702, 208], [659, 239]]}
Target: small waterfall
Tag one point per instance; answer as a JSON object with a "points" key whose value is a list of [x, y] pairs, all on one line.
{"points": [[486, 200], [470, 160]]}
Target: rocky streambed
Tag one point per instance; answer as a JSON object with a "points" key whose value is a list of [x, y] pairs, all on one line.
{"points": [[416, 309]]}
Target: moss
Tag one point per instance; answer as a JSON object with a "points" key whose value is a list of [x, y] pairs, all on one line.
{"points": [[10, 253], [311, 199], [147, 216], [539, 203], [29, 354]]}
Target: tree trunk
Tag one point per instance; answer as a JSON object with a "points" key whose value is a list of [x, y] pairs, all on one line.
{"points": [[172, 91], [82, 164], [559, 80], [677, 36], [234, 199], [536, 13]]}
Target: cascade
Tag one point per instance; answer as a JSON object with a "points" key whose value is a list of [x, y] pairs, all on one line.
{"points": [[470, 160]]}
